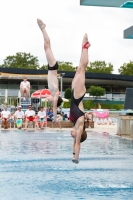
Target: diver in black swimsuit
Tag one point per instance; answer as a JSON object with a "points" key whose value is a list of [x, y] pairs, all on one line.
{"points": [[77, 110], [53, 85]]}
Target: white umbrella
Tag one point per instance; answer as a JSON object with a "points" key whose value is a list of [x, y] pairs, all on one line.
{"points": [[6, 95]]}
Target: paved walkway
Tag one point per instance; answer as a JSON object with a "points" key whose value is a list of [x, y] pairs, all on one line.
{"points": [[111, 129]]}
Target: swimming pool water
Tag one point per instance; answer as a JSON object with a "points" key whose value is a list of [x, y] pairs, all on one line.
{"points": [[37, 166]]}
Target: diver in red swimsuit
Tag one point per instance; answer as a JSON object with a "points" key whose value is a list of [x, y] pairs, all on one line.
{"points": [[77, 110]]}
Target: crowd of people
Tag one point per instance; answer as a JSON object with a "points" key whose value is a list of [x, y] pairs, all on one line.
{"points": [[105, 121], [39, 119], [19, 117]]}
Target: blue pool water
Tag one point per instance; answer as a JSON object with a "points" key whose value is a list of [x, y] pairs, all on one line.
{"points": [[37, 166]]}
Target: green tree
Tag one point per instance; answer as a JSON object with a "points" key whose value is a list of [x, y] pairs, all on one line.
{"points": [[32, 91], [88, 104], [63, 66], [66, 104], [100, 67], [21, 60], [66, 66], [67, 93], [44, 67], [96, 91], [126, 68]]}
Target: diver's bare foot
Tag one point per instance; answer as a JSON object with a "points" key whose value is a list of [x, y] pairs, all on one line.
{"points": [[74, 160], [41, 24], [85, 43]]}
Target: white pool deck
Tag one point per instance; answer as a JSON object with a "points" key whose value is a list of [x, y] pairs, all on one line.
{"points": [[111, 129]]}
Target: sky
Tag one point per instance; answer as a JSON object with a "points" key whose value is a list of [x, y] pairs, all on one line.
{"points": [[66, 22]]}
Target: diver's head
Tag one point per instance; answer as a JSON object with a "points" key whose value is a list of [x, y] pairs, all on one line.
{"points": [[83, 136], [59, 102]]}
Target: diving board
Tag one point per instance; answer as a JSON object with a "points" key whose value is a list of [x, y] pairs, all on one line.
{"points": [[108, 3], [128, 33]]}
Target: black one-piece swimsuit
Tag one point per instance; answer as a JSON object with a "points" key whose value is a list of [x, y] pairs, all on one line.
{"points": [[75, 112]]}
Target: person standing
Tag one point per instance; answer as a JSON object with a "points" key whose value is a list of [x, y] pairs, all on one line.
{"points": [[99, 106], [53, 85], [25, 88], [76, 109]]}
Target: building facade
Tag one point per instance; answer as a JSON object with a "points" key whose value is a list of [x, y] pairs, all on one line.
{"points": [[114, 84]]}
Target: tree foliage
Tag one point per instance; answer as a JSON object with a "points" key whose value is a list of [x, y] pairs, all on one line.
{"points": [[44, 67], [95, 67], [63, 66], [126, 68], [66, 104], [89, 104], [96, 91], [100, 67], [21, 60], [67, 93], [66, 66]]}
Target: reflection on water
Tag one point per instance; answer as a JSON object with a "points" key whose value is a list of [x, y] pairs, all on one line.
{"points": [[37, 165]]}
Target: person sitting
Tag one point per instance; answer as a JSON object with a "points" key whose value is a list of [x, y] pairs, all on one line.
{"points": [[0, 112], [109, 120], [19, 116], [42, 117], [50, 115], [25, 87], [5, 115], [105, 121], [30, 116], [99, 121], [0, 118], [63, 116], [89, 118]]}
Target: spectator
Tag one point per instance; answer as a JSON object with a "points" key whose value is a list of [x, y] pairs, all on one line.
{"points": [[99, 121], [30, 116], [19, 116], [105, 121], [89, 118], [63, 116], [5, 114], [0, 112], [42, 117], [50, 115], [109, 121], [25, 87], [99, 106]]}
